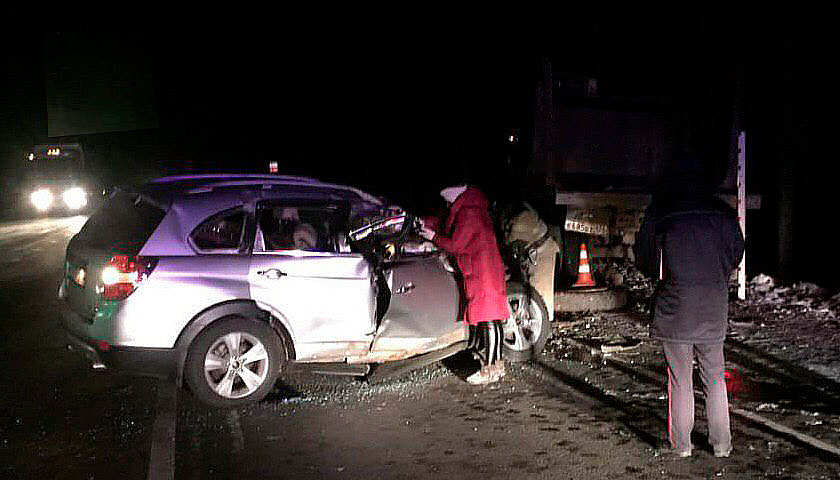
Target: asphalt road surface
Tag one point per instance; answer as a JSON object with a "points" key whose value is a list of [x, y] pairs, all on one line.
{"points": [[547, 419]]}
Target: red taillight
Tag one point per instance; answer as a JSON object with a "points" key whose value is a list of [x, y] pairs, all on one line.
{"points": [[122, 274]]}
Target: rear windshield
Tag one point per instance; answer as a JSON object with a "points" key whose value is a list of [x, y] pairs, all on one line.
{"points": [[123, 224]]}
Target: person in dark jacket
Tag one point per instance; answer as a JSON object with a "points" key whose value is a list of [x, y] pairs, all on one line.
{"points": [[692, 242], [468, 235]]}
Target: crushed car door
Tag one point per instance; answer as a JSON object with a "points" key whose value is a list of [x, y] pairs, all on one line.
{"points": [[423, 312]]}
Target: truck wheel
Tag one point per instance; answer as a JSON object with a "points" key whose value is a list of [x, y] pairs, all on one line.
{"points": [[233, 362], [527, 328]]}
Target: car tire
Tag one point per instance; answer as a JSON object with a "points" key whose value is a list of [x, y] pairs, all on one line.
{"points": [[218, 380], [527, 329]]}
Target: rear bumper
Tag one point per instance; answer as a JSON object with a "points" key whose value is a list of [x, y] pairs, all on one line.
{"points": [[76, 344], [156, 362], [96, 341]]}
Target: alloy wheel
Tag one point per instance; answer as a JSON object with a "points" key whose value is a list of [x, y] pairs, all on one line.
{"points": [[523, 326], [236, 365]]}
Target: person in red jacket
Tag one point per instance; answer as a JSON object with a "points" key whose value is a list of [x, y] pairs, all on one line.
{"points": [[468, 235]]}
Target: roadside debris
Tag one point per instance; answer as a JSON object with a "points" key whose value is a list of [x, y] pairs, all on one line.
{"points": [[798, 322], [624, 345]]}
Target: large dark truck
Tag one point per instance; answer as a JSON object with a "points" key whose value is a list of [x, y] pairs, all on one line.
{"points": [[596, 160], [53, 180]]}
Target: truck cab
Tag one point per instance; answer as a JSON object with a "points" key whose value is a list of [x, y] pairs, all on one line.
{"points": [[54, 180]]}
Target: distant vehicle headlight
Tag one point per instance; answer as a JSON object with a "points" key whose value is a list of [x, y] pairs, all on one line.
{"points": [[42, 199], [75, 198]]}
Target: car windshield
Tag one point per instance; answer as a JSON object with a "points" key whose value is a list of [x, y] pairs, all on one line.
{"points": [[390, 231], [381, 224]]}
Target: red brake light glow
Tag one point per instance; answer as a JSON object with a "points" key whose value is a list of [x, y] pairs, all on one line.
{"points": [[122, 274]]}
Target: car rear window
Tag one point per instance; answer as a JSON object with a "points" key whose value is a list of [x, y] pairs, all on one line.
{"points": [[124, 223]]}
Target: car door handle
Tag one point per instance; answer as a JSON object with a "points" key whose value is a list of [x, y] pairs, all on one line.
{"points": [[271, 273], [405, 288]]}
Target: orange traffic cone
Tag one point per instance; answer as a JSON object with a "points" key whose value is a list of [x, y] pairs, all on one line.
{"points": [[584, 273]]}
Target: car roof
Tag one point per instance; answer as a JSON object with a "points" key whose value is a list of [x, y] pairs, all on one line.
{"points": [[190, 199], [204, 183]]}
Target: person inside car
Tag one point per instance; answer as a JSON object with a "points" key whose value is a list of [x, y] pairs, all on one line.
{"points": [[291, 233]]}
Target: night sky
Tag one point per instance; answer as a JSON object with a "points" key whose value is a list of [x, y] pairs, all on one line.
{"points": [[388, 102]]}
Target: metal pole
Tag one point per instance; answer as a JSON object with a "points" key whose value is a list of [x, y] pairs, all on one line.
{"points": [[742, 213]]}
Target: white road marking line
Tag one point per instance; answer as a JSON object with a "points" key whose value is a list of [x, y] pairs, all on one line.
{"points": [[162, 455]]}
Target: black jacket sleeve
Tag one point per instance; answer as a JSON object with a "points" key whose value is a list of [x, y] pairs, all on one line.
{"points": [[736, 244], [645, 248]]}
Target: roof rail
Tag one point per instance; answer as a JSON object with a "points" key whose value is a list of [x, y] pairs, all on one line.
{"points": [[207, 182], [209, 177]]}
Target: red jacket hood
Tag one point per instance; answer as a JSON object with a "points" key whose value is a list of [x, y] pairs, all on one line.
{"points": [[471, 198]]}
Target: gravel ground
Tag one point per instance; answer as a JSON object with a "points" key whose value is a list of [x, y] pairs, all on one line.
{"points": [[569, 414]]}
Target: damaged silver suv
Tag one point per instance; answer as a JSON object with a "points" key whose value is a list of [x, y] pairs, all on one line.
{"points": [[222, 280]]}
